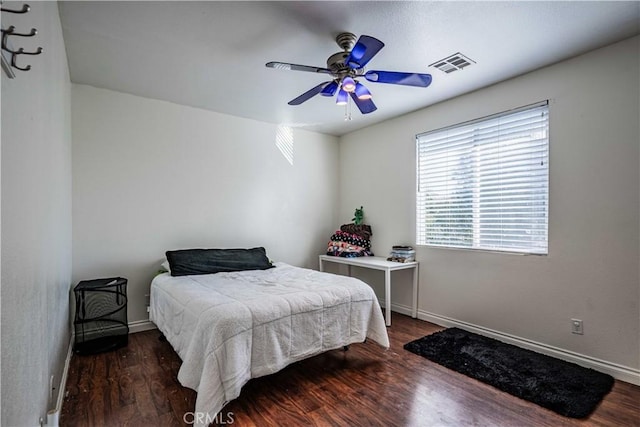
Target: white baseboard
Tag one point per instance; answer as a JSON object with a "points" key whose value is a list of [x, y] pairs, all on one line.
{"points": [[141, 325], [65, 372], [619, 372]]}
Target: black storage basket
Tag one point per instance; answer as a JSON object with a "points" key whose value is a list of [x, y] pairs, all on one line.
{"points": [[101, 315]]}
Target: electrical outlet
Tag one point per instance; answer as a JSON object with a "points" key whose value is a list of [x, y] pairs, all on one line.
{"points": [[576, 327], [51, 388]]}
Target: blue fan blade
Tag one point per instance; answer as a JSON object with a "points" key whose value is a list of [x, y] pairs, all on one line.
{"points": [[330, 89], [395, 78], [365, 106], [365, 48], [308, 94]]}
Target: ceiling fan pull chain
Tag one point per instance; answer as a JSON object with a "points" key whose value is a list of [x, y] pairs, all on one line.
{"points": [[349, 104], [346, 106]]}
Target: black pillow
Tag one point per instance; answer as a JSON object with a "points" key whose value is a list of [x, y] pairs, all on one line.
{"points": [[187, 262]]}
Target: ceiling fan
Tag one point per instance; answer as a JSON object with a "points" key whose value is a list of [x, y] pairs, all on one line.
{"points": [[346, 67]]}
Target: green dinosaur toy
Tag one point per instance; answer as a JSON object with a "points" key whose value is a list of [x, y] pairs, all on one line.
{"points": [[358, 216]]}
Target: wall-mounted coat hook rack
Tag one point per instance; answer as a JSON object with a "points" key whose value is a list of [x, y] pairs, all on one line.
{"points": [[25, 8], [9, 54], [12, 31]]}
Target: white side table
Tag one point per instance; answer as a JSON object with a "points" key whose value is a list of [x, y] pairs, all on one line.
{"points": [[380, 263]]}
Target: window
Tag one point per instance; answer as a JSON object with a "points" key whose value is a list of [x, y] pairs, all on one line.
{"points": [[484, 184]]}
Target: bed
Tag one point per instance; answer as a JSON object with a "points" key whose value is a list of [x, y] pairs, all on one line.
{"points": [[230, 327]]}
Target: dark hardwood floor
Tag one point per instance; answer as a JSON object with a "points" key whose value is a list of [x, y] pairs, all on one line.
{"points": [[365, 386]]}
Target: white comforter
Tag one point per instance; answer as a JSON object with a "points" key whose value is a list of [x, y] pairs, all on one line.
{"points": [[230, 327]]}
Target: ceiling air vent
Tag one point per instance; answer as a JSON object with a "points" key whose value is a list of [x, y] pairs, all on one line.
{"points": [[451, 63]]}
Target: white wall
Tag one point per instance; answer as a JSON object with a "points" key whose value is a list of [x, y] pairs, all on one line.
{"points": [[151, 176], [592, 270], [36, 220]]}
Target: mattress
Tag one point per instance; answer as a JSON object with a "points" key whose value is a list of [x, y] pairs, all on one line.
{"points": [[230, 327]]}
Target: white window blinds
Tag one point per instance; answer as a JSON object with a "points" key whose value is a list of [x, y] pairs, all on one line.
{"points": [[484, 184]]}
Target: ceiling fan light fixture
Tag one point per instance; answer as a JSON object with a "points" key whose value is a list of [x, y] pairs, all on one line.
{"points": [[372, 76], [330, 89], [362, 92], [348, 84], [342, 97]]}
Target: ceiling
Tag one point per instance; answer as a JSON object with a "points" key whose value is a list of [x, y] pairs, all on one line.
{"points": [[212, 55]]}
